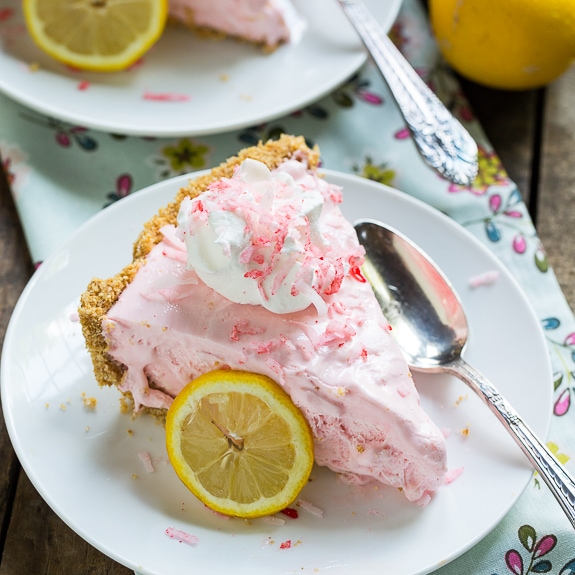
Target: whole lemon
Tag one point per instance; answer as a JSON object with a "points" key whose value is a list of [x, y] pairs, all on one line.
{"points": [[506, 44]]}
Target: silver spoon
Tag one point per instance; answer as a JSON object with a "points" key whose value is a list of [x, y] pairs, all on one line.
{"points": [[440, 139], [430, 326]]}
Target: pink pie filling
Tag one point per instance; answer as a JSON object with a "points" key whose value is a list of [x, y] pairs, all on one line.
{"points": [[268, 22], [340, 366]]}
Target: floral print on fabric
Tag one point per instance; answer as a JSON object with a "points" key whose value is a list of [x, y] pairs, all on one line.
{"points": [[13, 161], [65, 135], [535, 555], [184, 156], [563, 379]]}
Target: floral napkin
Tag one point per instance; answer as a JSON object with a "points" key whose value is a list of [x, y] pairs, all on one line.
{"points": [[61, 174]]}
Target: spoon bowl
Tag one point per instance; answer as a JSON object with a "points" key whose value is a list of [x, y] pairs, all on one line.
{"points": [[430, 327], [417, 300]]}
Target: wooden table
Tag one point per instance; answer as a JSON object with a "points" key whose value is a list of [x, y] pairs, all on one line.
{"points": [[533, 133]]}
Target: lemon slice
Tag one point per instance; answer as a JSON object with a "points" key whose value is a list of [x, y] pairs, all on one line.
{"points": [[100, 35], [238, 442]]}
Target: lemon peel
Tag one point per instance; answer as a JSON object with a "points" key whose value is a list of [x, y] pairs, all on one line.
{"points": [[515, 45], [239, 443], [97, 35]]}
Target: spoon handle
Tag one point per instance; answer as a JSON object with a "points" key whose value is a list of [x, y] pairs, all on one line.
{"points": [[441, 140], [559, 481]]}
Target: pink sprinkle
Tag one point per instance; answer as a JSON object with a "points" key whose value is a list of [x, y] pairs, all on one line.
{"points": [[355, 273], [273, 520], [337, 331], [83, 85], [292, 513], [452, 475], [286, 544], [5, 14], [264, 347], [181, 536], [147, 461], [243, 328], [310, 508], [254, 274], [486, 278], [165, 97], [335, 195]]}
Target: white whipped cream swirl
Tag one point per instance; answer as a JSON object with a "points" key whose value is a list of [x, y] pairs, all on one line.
{"points": [[261, 237]]}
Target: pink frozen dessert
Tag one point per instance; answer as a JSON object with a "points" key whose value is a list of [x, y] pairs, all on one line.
{"points": [[261, 272], [265, 22]]}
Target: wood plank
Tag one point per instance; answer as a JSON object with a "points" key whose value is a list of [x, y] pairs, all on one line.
{"points": [[15, 270], [40, 542], [32, 538], [556, 206]]}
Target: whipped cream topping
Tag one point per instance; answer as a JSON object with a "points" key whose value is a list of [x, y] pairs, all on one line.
{"points": [[262, 238]]}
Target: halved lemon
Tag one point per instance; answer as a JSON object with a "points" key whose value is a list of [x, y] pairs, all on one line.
{"points": [[239, 443], [100, 35]]}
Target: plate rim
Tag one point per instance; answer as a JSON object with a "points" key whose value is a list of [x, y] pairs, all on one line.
{"points": [[337, 177], [59, 111]]}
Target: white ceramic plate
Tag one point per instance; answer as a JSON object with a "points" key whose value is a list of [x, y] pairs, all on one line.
{"points": [[224, 85], [86, 465]]}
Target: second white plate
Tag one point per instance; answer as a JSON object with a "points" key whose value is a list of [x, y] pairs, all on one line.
{"points": [[208, 86], [86, 464]]}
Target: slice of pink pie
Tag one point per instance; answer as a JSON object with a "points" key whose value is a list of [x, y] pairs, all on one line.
{"points": [[253, 267], [265, 22]]}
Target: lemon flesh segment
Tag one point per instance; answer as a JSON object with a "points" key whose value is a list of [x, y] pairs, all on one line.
{"points": [[100, 35], [239, 444]]}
